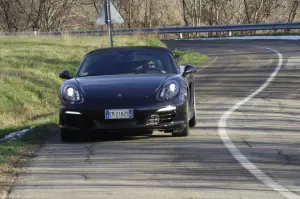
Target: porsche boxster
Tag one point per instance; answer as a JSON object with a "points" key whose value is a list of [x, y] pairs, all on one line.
{"points": [[127, 90]]}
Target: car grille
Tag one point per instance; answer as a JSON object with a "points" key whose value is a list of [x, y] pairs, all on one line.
{"points": [[161, 118]]}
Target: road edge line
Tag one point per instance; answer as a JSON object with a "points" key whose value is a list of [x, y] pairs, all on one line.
{"points": [[209, 64], [237, 154]]}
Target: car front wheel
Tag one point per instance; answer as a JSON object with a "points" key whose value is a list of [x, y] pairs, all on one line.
{"points": [[193, 122], [186, 131]]}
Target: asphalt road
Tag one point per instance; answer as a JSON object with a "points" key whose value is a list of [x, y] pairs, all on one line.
{"points": [[265, 129]]}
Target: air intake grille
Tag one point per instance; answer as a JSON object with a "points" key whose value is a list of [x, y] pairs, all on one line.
{"points": [[161, 118]]}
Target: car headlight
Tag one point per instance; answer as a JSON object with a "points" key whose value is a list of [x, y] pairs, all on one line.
{"points": [[71, 93], [169, 90]]}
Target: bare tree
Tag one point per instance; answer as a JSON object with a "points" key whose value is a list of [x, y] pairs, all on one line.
{"points": [[293, 11], [54, 13], [11, 15], [51, 15]]}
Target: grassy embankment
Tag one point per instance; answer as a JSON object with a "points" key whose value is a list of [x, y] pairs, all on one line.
{"points": [[29, 80]]}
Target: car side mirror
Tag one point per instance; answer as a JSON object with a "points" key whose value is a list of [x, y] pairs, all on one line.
{"points": [[189, 69], [65, 74]]}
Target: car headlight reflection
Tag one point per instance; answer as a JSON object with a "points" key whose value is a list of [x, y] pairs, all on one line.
{"points": [[169, 90], [71, 93]]}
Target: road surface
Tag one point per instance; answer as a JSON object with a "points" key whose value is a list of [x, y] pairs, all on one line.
{"points": [[264, 128]]}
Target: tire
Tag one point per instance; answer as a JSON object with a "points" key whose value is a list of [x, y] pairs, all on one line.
{"points": [[186, 131], [68, 135], [193, 121]]}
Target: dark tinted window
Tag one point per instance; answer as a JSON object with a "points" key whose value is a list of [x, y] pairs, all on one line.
{"points": [[127, 62]]}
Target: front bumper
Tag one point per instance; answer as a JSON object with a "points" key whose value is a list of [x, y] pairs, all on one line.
{"points": [[160, 117]]}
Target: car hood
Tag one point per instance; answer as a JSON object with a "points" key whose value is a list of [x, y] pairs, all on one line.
{"points": [[123, 87]]}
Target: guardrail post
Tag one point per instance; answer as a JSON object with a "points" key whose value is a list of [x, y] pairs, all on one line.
{"points": [[230, 33], [181, 35], [273, 28]]}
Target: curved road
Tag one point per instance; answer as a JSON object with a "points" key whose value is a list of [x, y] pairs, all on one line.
{"points": [[265, 129]]}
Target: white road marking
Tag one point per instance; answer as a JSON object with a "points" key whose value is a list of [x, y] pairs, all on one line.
{"points": [[214, 61], [260, 175]]}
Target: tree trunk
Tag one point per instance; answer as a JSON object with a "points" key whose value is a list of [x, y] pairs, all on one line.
{"points": [[184, 13], [293, 11], [146, 14], [247, 11], [4, 6], [150, 13]]}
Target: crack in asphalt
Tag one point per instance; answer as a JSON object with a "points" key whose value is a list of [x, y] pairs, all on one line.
{"points": [[266, 99], [281, 106], [89, 149], [247, 143], [84, 177], [286, 157]]}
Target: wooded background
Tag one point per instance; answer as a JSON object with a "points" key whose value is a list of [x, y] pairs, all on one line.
{"points": [[63, 15]]}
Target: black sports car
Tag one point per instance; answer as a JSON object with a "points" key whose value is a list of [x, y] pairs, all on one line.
{"points": [[133, 90]]}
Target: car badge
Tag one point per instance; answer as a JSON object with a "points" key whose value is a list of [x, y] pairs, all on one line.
{"points": [[119, 95]]}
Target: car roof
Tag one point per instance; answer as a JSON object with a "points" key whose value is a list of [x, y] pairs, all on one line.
{"points": [[115, 49]]}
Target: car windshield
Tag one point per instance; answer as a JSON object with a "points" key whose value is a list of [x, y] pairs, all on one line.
{"points": [[127, 62]]}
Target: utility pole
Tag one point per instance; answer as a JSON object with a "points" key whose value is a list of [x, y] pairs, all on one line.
{"points": [[109, 23]]}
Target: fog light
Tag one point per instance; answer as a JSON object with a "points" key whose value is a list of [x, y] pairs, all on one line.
{"points": [[73, 113], [166, 109]]}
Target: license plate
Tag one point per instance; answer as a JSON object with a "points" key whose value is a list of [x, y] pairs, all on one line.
{"points": [[119, 114]]}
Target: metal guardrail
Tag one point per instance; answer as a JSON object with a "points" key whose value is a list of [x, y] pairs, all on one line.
{"points": [[169, 30]]}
